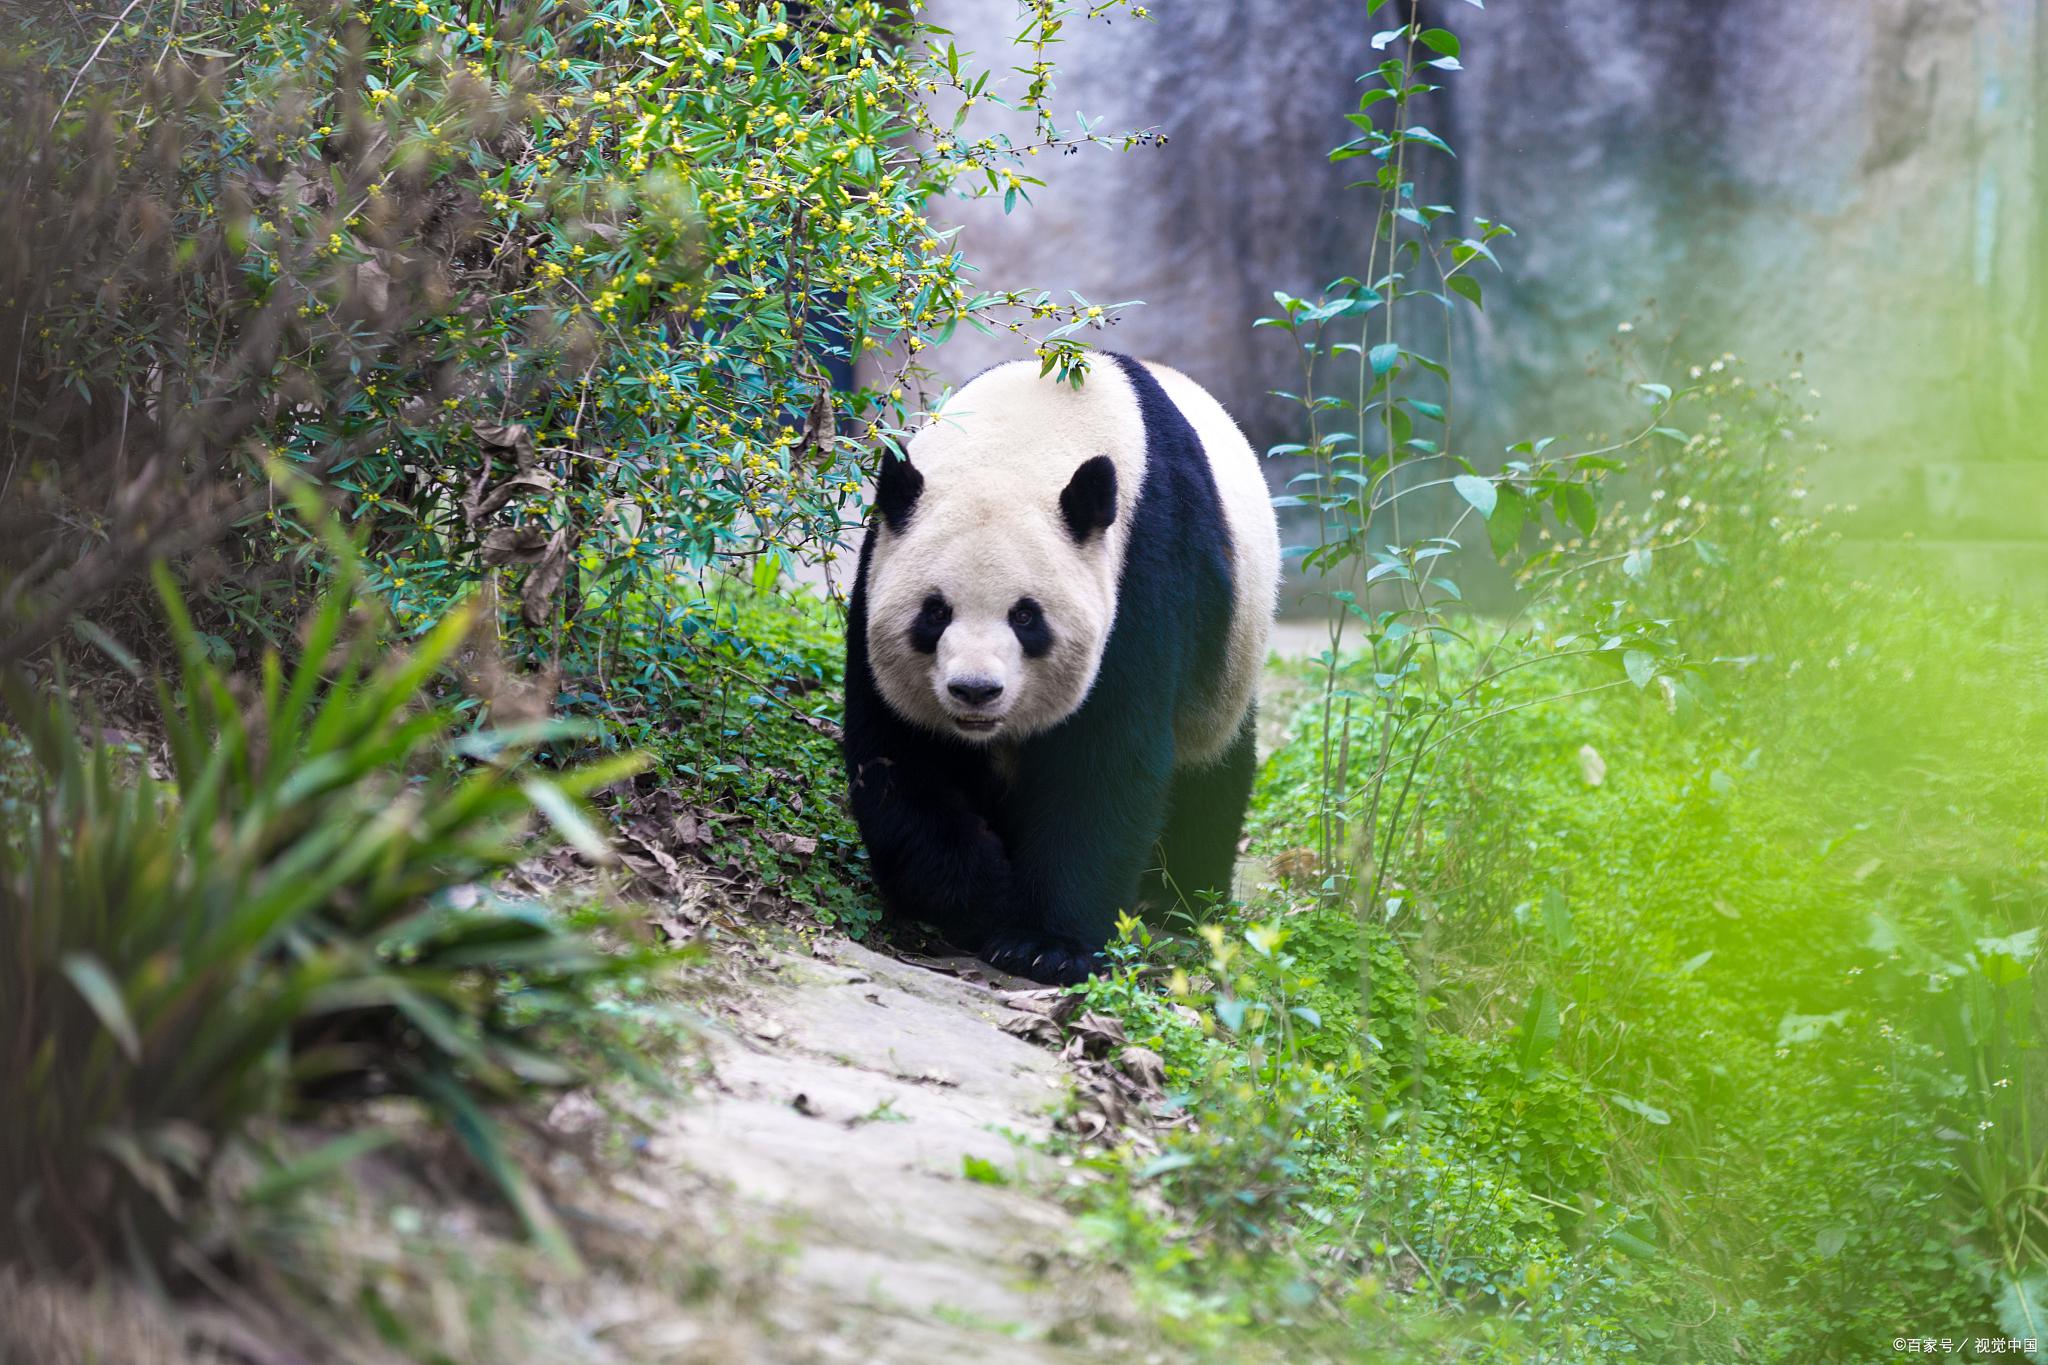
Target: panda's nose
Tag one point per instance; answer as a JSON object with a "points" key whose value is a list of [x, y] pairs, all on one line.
{"points": [[976, 691]]}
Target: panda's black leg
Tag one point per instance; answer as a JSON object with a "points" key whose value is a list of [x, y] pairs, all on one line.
{"points": [[1204, 819], [934, 855], [1080, 822]]}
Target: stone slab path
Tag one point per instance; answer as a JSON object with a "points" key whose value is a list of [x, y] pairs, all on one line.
{"points": [[850, 1093]]}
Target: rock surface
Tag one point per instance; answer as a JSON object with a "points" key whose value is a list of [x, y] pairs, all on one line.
{"points": [[1859, 181], [847, 1102]]}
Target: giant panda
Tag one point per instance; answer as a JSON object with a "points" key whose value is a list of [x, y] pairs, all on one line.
{"points": [[1052, 650]]}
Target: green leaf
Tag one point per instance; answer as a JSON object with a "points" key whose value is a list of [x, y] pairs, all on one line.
{"points": [[2023, 1309], [481, 1136], [1580, 507], [982, 1171], [1635, 1246], [1504, 527], [1383, 356], [570, 822], [1649, 1113], [323, 1161], [1557, 921], [1806, 1028], [1230, 1013], [1478, 491], [1539, 1029], [1439, 40], [2020, 947], [104, 998], [1465, 286], [108, 645], [1640, 666], [1418, 133]]}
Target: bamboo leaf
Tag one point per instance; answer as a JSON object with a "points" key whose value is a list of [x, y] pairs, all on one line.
{"points": [[104, 998]]}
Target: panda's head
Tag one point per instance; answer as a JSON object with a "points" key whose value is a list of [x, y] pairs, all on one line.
{"points": [[991, 591]]}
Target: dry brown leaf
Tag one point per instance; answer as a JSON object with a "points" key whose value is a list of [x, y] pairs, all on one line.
{"points": [[796, 845], [515, 544], [1145, 1068], [373, 285], [512, 438], [537, 597], [1033, 1028], [819, 426], [1295, 864], [482, 502]]}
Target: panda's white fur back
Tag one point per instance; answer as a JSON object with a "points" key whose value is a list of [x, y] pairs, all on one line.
{"points": [[1008, 441]]}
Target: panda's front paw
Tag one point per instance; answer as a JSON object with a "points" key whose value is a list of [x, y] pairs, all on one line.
{"points": [[1043, 957]]}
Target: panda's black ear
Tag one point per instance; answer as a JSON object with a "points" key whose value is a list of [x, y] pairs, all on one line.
{"points": [[897, 489], [1089, 502]]}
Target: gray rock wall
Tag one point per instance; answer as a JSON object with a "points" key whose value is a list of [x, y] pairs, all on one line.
{"points": [[1857, 180]]}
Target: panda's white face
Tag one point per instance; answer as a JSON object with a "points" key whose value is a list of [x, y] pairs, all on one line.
{"points": [[987, 615], [992, 582]]}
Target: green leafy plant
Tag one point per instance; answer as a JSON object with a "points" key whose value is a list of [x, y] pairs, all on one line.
{"points": [[1377, 413], [289, 916], [554, 294]]}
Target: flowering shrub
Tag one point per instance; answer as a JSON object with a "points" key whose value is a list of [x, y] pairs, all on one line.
{"points": [[554, 290]]}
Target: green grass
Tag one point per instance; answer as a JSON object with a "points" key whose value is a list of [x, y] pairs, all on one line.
{"points": [[1729, 1057], [732, 691]]}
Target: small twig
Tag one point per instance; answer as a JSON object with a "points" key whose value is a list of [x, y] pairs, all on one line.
{"points": [[92, 57]]}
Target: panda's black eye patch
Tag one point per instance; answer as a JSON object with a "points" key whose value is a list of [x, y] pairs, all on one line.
{"points": [[1027, 619], [932, 619]]}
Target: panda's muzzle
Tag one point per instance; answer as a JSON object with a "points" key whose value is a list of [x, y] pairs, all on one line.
{"points": [[975, 691], [978, 694]]}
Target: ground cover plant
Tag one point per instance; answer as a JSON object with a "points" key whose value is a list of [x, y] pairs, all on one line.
{"points": [[1710, 1024], [314, 853]]}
